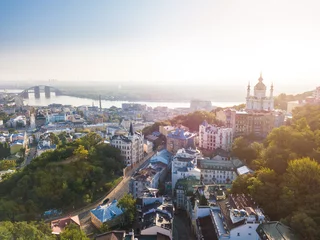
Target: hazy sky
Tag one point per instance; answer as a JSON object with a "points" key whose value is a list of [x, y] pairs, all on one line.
{"points": [[213, 42]]}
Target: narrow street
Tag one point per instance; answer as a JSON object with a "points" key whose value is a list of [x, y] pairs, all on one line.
{"points": [[182, 227], [117, 193], [31, 155]]}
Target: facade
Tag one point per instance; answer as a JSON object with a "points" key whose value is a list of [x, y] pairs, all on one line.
{"points": [[109, 213], [240, 221], [44, 146], [259, 101], [212, 137], [147, 147], [17, 122], [155, 216], [184, 165], [180, 139], [150, 176], [257, 123], [183, 191], [228, 117], [165, 130], [131, 147], [218, 171], [56, 117]]}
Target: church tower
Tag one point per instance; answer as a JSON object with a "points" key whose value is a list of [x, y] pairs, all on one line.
{"points": [[248, 90]]}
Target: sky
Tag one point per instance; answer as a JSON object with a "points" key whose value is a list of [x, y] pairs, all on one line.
{"points": [[200, 42]]}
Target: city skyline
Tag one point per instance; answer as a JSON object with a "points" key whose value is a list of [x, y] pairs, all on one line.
{"points": [[168, 42]]}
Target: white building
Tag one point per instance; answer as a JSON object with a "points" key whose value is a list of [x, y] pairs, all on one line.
{"points": [[184, 165], [147, 147], [239, 222], [218, 171], [260, 101], [212, 137], [19, 121], [131, 146], [150, 176]]}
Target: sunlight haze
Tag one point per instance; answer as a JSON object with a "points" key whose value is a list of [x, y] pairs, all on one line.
{"points": [[159, 42]]}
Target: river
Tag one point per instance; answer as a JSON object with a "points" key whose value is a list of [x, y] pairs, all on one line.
{"points": [[76, 101]]}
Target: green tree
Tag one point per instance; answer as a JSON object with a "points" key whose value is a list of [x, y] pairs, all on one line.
{"points": [[73, 232], [24, 230], [81, 152], [128, 204]]}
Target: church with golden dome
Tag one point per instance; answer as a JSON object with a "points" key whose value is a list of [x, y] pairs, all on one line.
{"points": [[259, 101]]}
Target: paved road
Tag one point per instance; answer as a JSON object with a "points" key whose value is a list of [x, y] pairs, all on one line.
{"points": [[117, 193], [31, 155]]}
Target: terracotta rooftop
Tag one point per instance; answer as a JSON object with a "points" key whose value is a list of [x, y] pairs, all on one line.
{"points": [[58, 225]]}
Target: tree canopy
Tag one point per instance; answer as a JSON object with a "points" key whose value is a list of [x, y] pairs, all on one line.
{"points": [[128, 204], [24, 230], [60, 180], [286, 183]]}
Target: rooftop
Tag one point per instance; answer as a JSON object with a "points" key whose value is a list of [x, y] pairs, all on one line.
{"points": [[206, 228], [275, 230], [107, 212], [58, 225], [180, 134], [113, 235]]}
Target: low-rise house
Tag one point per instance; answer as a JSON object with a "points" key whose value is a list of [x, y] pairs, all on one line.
{"points": [[218, 171], [275, 230], [109, 213], [19, 121], [150, 176], [155, 216], [180, 139], [184, 165], [56, 117], [237, 218], [57, 226], [45, 145], [165, 130]]}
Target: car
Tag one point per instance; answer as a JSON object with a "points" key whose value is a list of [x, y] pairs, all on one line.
{"points": [[105, 201]]}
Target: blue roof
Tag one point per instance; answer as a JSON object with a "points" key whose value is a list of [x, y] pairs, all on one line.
{"points": [[107, 212], [163, 156], [180, 134]]}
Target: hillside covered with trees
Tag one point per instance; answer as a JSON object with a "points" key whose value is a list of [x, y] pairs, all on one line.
{"points": [[286, 182], [72, 176]]}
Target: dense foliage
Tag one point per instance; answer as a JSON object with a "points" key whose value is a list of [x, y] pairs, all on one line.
{"points": [[71, 176], [4, 150], [281, 101], [73, 232], [24, 230], [286, 182], [128, 204]]}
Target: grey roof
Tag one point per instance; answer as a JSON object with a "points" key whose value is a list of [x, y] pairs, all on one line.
{"points": [[276, 230]]}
